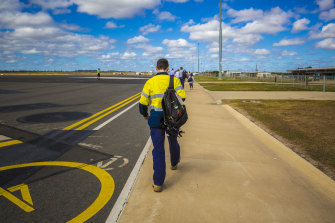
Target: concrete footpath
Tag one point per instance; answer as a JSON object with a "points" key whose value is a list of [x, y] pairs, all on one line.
{"points": [[231, 171]]}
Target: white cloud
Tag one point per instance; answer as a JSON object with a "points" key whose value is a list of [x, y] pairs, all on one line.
{"points": [[272, 22], [327, 15], [177, 1], [128, 55], [150, 28], [209, 32], [245, 15], [179, 48], [289, 42], [115, 8], [9, 5], [247, 39], [288, 53], [52, 4], [166, 16], [72, 27], [325, 4], [112, 25], [12, 20], [61, 11], [261, 52], [180, 43], [138, 39], [244, 59], [326, 32], [327, 44], [149, 50], [109, 56], [300, 25], [31, 51]]}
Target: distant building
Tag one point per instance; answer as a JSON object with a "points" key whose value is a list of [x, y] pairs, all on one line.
{"points": [[314, 71], [259, 74], [232, 73]]}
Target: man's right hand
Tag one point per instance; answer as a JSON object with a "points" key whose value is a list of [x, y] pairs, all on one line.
{"points": [[146, 118]]}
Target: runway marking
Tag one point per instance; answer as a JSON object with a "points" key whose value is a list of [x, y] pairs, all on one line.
{"points": [[107, 165], [25, 196], [10, 143], [99, 113], [114, 117], [106, 189], [24, 192], [107, 113]]}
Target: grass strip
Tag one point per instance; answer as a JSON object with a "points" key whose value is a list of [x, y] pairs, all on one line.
{"points": [[307, 125], [262, 87]]}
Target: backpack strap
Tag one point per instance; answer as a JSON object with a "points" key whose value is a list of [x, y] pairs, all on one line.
{"points": [[171, 85]]}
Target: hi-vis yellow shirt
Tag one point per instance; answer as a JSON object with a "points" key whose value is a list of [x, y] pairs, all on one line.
{"points": [[155, 88]]}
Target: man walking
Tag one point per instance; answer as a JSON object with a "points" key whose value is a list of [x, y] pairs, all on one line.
{"points": [[98, 74], [153, 91], [172, 72], [182, 76]]}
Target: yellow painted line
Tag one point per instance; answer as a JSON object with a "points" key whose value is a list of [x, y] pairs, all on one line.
{"points": [[106, 189], [107, 113], [24, 191], [9, 143], [16, 200], [99, 113]]}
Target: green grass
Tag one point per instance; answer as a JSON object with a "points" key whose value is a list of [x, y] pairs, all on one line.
{"points": [[308, 125], [216, 79], [262, 87]]}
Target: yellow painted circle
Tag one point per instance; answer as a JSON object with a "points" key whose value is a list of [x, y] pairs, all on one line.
{"points": [[106, 180]]}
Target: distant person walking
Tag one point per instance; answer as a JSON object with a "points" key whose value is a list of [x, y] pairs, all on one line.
{"points": [[191, 80], [153, 92], [176, 74], [172, 72], [182, 76], [98, 74]]}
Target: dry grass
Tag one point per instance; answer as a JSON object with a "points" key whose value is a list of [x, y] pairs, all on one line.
{"points": [[308, 127]]}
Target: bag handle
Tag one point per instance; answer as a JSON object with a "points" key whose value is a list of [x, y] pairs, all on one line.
{"points": [[171, 85]]}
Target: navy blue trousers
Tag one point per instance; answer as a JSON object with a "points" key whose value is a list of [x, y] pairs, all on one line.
{"points": [[158, 153]]}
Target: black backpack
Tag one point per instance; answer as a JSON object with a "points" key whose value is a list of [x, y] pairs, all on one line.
{"points": [[174, 111], [184, 75]]}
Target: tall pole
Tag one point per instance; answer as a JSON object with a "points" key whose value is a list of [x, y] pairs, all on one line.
{"points": [[198, 59], [220, 45]]}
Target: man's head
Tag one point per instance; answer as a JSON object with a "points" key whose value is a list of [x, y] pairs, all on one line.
{"points": [[181, 68], [162, 65]]}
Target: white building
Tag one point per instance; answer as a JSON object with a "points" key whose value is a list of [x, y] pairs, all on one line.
{"points": [[232, 73]]}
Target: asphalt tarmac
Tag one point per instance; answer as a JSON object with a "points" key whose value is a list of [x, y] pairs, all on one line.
{"points": [[54, 171]]}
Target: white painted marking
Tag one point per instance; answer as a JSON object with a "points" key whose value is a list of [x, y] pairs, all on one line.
{"points": [[125, 162], [124, 195], [114, 117], [105, 166], [90, 145], [2, 137]]}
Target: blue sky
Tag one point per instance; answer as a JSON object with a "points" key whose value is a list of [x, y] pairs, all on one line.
{"points": [[277, 35]]}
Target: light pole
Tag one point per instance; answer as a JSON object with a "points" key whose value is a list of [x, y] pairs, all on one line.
{"points": [[220, 45], [198, 59]]}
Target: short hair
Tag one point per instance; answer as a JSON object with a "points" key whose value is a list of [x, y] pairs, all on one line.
{"points": [[162, 64]]}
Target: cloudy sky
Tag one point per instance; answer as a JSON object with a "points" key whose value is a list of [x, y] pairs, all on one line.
{"points": [[277, 35]]}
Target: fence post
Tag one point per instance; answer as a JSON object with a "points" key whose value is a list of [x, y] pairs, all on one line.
{"points": [[324, 83], [282, 79], [306, 81], [293, 80]]}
